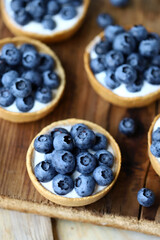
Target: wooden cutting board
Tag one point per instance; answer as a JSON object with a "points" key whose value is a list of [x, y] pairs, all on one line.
{"points": [[120, 207]]}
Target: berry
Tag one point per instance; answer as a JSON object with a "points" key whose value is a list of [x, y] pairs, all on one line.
{"points": [[77, 3], [104, 20], [48, 23], [44, 171], [9, 77], [152, 75], [97, 65], [86, 162], [53, 8], [56, 131], [46, 62], [126, 74], [63, 141], [145, 197], [112, 31], [125, 43], [62, 184], [155, 148], [101, 142], [43, 95], [137, 61], [25, 104], [102, 47], [21, 88], [127, 126], [156, 135], [43, 143], [84, 139], [68, 12], [76, 128], [27, 47], [156, 61], [149, 47], [11, 54], [30, 59], [36, 9], [2, 66], [63, 161], [34, 77], [139, 32], [105, 158], [84, 185], [119, 3], [114, 59], [22, 17], [6, 97], [135, 86], [17, 5], [110, 80], [51, 79], [103, 175]]}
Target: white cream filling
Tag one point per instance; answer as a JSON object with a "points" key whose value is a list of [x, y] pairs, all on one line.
{"points": [[39, 157], [122, 91], [34, 27], [157, 125]]}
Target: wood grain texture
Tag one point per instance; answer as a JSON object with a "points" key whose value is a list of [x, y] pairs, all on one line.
{"points": [[120, 207]]}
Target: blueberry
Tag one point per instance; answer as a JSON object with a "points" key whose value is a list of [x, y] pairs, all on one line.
{"points": [[149, 47], [9, 77], [139, 32], [62, 184], [46, 62], [137, 61], [48, 23], [112, 31], [156, 135], [97, 65], [86, 162], [110, 80], [135, 86], [127, 126], [76, 128], [22, 17], [68, 12], [156, 61], [77, 3], [104, 20], [30, 59], [63, 161], [155, 148], [2, 66], [36, 8], [103, 175], [114, 59], [51, 79], [101, 142], [44, 171], [126, 74], [11, 54], [43, 143], [25, 104], [21, 88], [17, 5], [125, 43], [56, 131], [34, 77], [145, 197], [119, 3], [6, 97], [53, 8], [63, 141], [85, 139], [105, 158], [84, 185], [152, 75], [102, 47], [27, 47], [43, 95]]}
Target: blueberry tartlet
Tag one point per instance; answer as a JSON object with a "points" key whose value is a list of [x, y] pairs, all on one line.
{"points": [[123, 66], [73, 162], [32, 79], [45, 20], [154, 144]]}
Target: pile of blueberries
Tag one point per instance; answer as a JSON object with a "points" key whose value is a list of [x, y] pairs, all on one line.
{"points": [[43, 11], [25, 76], [79, 150], [155, 146], [127, 57]]}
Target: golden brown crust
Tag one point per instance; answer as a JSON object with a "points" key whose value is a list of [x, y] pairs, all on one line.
{"points": [[155, 163], [33, 116], [108, 95], [55, 37], [74, 201]]}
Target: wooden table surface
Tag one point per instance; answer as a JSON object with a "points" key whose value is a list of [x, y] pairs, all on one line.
{"points": [[120, 207]]}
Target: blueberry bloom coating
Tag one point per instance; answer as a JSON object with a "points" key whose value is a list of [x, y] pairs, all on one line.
{"points": [[127, 126], [44, 171], [155, 148], [145, 197], [103, 175], [110, 79], [86, 162], [62, 184], [21, 88], [101, 142], [84, 185], [43, 144], [105, 158], [85, 139], [139, 32], [112, 31], [25, 104], [152, 75], [104, 20], [63, 141], [126, 74], [11, 54], [76, 128], [156, 135], [6, 97], [125, 43]]}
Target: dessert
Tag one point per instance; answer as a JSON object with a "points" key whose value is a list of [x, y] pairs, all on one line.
{"points": [[123, 66], [154, 144], [45, 20], [82, 160], [32, 80]]}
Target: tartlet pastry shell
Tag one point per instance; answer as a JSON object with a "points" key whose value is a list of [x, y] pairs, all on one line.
{"points": [[155, 163], [33, 116], [74, 201], [54, 37], [107, 94]]}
